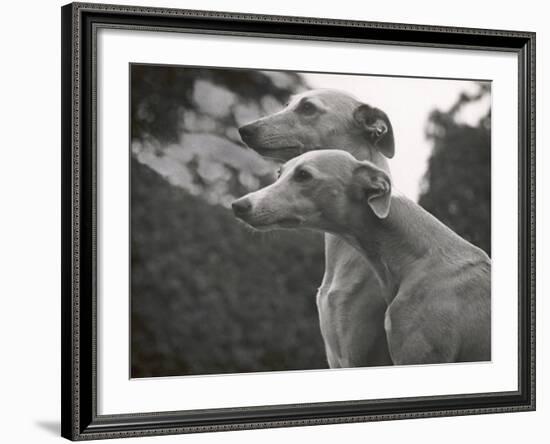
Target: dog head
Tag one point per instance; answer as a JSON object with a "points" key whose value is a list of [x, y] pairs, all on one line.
{"points": [[321, 119], [320, 190]]}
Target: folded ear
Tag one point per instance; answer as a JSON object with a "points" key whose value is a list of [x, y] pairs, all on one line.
{"points": [[377, 127], [373, 186]]}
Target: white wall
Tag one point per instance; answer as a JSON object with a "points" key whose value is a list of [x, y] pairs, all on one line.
{"points": [[29, 234]]}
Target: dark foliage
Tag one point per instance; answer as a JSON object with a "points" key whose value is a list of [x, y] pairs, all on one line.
{"points": [[210, 296], [160, 94], [457, 186]]}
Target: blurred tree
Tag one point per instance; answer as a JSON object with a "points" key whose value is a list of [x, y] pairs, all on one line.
{"points": [[185, 120], [207, 294], [457, 186], [160, 94], [210, 296]]}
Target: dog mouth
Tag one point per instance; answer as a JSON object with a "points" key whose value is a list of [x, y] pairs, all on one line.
{"points": [[289, 222], [265, 225]]}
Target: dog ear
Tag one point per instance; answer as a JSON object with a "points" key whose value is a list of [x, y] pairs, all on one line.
{"points": [[377, 127], [372, 184]]}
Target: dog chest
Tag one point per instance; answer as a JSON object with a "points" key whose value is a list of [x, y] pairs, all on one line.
{"points": [[342, 323]]}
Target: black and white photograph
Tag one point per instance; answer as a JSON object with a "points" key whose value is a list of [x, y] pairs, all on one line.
{"points": [[284, 220]]}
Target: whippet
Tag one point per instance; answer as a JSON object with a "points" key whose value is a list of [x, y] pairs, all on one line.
{"points": [[349, 301], [436, 284]]}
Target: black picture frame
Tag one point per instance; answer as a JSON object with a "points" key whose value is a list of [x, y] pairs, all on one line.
{"points": [[78, 334]]}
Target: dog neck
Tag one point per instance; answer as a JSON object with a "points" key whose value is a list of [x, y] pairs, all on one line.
{"points": [[395, 244], [362, 150], [374, 156]]}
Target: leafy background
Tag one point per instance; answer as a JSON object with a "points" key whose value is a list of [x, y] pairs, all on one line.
{"points": [[207, 294]]}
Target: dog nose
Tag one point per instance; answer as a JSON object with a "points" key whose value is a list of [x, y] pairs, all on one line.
{"points": [[246, 132], [241, 207]]}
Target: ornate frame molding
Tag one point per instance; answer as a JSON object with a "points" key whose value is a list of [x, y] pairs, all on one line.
{"points": [[80, 21]]}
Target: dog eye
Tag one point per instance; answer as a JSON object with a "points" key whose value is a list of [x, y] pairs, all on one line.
{"points": [[302, 175], [308, 108]]}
